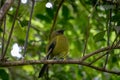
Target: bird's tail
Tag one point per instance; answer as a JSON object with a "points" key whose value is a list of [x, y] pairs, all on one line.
{"points": [[43, 69]]}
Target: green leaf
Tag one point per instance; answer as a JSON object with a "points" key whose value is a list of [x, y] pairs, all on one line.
{"points": [[116, 17], [114, 59], [43, 17], [50, 12], [28, 68], [1, 30], [4, 75], [99, 36], [24, 23], [65, 11]]}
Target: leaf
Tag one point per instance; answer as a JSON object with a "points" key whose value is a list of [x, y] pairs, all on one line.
{"points": [[116, 18], [43, 17], [24, 23], [65, 11], [4, 75], [114, 59], [28, 68], [1, 30], [50, 12], [99, 36]]}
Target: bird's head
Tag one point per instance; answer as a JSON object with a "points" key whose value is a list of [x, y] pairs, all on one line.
{"points": [[56, 33], [59, 32]]}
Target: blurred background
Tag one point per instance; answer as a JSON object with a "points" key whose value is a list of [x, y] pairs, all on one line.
{"points": [[86, 23]]}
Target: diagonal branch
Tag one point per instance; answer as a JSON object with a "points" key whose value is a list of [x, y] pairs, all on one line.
{"points": [[108, 36], [28, 28], [113, 45], [11, 31], [97, 59], [5, 8], [55, 17], [98, 51], [88, 28]]}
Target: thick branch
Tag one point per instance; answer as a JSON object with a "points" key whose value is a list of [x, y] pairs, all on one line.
{"points": [[80, 61], [30, 62]]}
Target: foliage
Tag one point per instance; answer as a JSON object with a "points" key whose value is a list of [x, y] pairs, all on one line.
{"points": [[91, 20]]}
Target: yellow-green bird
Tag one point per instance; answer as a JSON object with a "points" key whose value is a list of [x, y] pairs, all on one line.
{"points": [[57, 47]]}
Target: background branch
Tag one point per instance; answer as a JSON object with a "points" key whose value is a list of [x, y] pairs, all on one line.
{"points": [[3, 36], [88, 28], [11, 31], [5, 8], [55, 17], [28, 28], [95, 60], [108, 36], [113, 45]]}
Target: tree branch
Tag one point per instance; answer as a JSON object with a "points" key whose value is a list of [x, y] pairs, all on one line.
{"points": [[3, 36], [5, 8], [11, 31], [55, 17], [108, 36], [98, 51], [28, 28], [31, 62], [80, 61], [97, 59], [88, 28]]}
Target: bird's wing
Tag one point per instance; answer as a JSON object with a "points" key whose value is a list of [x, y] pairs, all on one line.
{"points": [[50, 48]]}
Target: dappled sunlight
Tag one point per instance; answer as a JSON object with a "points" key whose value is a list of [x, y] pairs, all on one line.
{"points": [[15, 52], [49, 5]]}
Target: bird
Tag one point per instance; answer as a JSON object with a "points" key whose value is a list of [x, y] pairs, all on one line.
{"points": [[57, 47]]}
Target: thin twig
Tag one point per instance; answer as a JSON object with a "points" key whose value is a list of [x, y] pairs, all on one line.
{"points": [[11, 31], [55, 17], [117, 43], [31, 62], [88, 28], [3, 41], [28, 29], [108, 37], [86, 37], [97, 59], [115, 40]]}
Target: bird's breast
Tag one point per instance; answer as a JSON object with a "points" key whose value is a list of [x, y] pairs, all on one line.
{"points": [[61, 47]]}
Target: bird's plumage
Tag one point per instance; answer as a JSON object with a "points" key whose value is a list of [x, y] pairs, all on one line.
{"points": [[57, 47]]}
